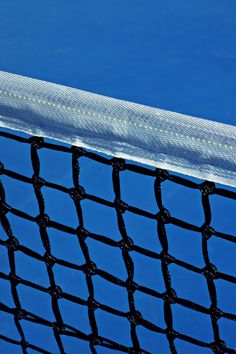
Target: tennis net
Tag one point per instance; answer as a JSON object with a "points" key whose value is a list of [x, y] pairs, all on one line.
{"points": [[118, 235], [140, 329]]}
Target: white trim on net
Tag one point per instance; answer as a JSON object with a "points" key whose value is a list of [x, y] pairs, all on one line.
{"points": [[177, 142]]}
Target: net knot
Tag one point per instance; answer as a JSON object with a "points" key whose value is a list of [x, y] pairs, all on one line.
{"points": [[38, 182], [126, 244], [161, 175], [94, 340], [134, 317], [77, 194], [171, 333], [12, 244], [218, 347], [207, 231], [216, 313], [1, 168], [77, 151], [14, 279], [55, 291], [58, 327], [43, 220], [170, 296], [210, 271], [167, 258], [82, 233], [20, 314], [24, 344], [92, 303], [49, 259], [118, 164], [164, 216], [135, 351], [120, 205], [36, 142], [207, 188], [4, 208], [131, 286], [89, 269]]}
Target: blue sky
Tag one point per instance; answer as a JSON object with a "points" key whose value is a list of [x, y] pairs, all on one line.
{"points": [[179, 56]]}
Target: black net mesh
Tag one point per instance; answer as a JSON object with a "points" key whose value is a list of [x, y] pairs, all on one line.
{"points": [[97, 343]]}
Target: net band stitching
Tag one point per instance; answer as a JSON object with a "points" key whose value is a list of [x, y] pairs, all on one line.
{"points": [[116, 120]]}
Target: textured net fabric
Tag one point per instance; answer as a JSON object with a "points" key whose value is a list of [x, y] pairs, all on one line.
{"points": [[128, 248], [180, 143]]}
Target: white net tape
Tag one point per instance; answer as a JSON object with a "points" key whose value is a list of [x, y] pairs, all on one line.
{"points": [[177, 142]]}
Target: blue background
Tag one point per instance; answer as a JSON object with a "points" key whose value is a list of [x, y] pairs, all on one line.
{"points": [[176, 55]]}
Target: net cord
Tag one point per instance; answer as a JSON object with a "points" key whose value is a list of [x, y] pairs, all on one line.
{"points": [[192, 146]]}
